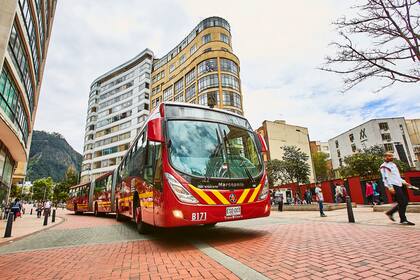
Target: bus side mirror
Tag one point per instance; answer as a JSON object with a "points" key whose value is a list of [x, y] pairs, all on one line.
{"points": [[264, 148], [154, 130]]}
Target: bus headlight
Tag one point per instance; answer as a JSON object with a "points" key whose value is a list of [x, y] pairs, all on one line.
{"points": [[179, 190], [265, 190]]}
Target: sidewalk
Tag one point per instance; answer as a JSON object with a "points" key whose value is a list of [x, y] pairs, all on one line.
{"points": [[28, 224]]}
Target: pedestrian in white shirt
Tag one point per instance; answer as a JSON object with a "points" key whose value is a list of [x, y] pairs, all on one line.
{"points": [[393, 181], [320, 198]]}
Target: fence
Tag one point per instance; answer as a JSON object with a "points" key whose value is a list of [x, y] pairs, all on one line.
{"points": [[356, 188]]}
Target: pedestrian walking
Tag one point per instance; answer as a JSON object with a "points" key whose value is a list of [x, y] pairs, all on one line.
{"points": [[393, 181], [38, 210], [376, 193], [369, 193], [308, 196], [16, 208], [320, 199], [338, 193], [280, 202], [47, 208]]}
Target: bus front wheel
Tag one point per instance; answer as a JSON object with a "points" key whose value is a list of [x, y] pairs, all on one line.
{"points": [[118, 216], [95, 211], [142, 227]]}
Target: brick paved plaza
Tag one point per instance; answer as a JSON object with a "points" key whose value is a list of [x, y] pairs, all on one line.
{"points": [[287, 245]]}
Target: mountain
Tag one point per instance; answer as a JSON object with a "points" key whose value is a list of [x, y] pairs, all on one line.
{"points": [[50, 156]]}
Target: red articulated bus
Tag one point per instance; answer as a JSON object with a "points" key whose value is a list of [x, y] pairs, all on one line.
{"points": [[191, 165], [92, 196]]}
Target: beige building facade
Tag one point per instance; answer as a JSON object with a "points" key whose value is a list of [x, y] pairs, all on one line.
{"points": [[202, 69], [413, 127], [278, 134], [25, 28]]}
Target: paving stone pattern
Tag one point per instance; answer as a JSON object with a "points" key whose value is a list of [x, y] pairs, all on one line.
{"points": [[283, 246]]}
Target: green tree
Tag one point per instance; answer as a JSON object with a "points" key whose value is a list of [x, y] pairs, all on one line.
{"points": [[61, 190], [42, 188], [276, 172], [366, 163], [296, 166], [15, 191], [320, 164]]}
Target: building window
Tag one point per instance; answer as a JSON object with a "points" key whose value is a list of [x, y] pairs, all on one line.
{"points": [[171, 68], [209, 98], [167, 93], [228, 65], [389, 147], [12, 105], [383, 126], [179, 86], [190, 76], [386, 136], [340, 161], [336, 144], [224, 38], [182, 59], [351, 137], [20, 59], [179, 98], [353, 147], [338, 153], [230, 81], [193, 49], [206, 38], [231, 99], [206, 66], [209, 81], [190, 92]]}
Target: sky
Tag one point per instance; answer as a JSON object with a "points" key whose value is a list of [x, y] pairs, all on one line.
{"points": [[280, 45]]}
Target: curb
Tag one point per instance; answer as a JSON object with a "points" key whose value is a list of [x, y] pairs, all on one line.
{"points": [[29, 234]]}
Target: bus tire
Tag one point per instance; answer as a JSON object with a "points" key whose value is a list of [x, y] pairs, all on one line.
{"points": [[75, 210], [210, 225], [142, 227], [118, 216], [95, 210]]}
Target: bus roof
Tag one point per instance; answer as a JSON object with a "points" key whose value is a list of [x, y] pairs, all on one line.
{"points": [[213, 113], [80, 185]]}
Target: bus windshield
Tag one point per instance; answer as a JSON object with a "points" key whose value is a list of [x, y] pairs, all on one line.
{"points": [[213, 150]]}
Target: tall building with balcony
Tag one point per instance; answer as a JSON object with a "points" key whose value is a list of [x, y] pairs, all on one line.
{"points": [[202, 69], [118, 106], [25, 29]]}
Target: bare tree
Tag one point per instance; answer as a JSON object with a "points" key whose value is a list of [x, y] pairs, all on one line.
{"points": [[393, 54]]}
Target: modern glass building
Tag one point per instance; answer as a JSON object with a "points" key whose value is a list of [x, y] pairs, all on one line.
{"points": [[25, 28], [118, 106], [202, 69]]}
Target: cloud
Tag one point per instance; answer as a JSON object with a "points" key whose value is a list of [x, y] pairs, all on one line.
{"points": [[279, 43]]}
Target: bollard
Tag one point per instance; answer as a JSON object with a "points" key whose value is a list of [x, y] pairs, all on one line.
{"points": [[349, 210], [53, 216], [8, 231], [31, 211], [45, 218]]}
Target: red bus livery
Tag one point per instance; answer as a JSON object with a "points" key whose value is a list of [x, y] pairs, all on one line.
{"points": [[188, 165]]}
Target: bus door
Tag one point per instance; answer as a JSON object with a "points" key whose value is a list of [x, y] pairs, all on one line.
{"points": [[152, 197]]}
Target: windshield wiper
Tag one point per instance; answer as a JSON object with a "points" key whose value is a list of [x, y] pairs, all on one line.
{"points": [[247, 171]]}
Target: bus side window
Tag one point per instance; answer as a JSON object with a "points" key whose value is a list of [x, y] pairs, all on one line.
{"points": [[152, 160], [109, 183], [157, 182]]}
